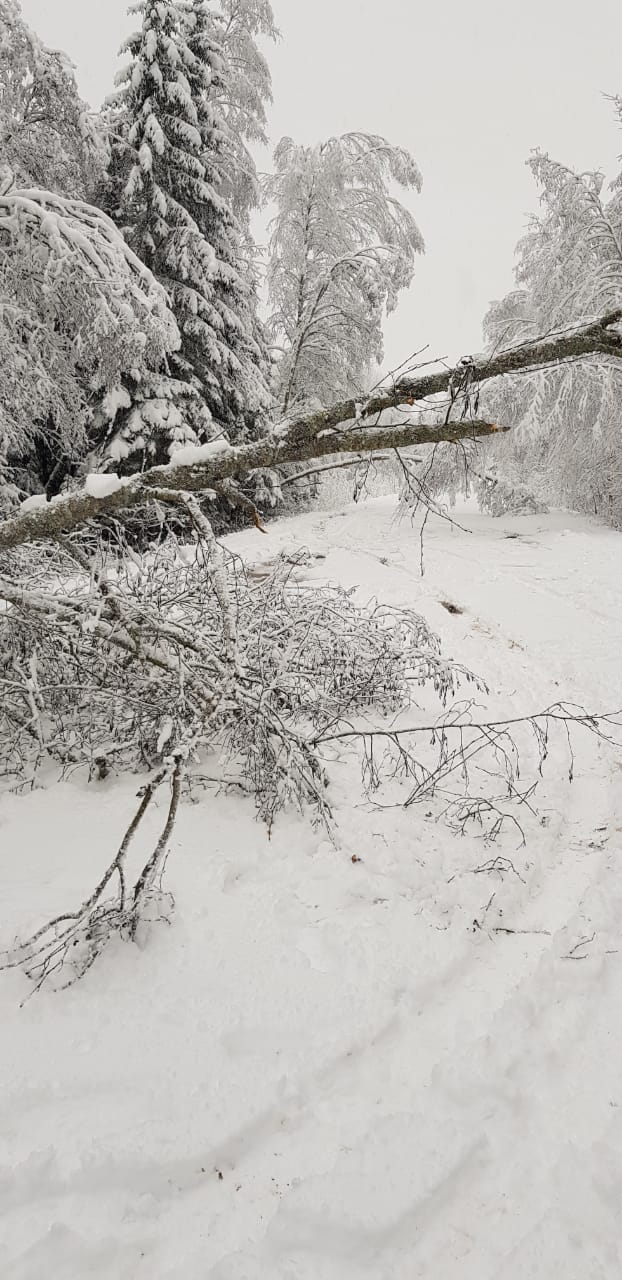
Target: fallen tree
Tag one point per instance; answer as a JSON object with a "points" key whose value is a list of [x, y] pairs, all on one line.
{"points": [[215, 468], [351, 427], [112, 658]]}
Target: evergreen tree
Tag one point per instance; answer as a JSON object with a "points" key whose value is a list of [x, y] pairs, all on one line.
{"points": [[240, 95], [174, 216], [243, 376]]}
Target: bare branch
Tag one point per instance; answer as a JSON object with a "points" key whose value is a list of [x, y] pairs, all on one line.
{"points": [[334, 466], [64, 948]]}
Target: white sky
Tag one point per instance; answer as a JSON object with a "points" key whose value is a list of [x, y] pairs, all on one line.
{"points": [[468, 86]]}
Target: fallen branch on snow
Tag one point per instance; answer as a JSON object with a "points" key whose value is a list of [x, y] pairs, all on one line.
{"points": [[64, 949]]}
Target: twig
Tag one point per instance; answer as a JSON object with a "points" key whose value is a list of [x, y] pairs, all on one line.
{"points": [[504, 929]]}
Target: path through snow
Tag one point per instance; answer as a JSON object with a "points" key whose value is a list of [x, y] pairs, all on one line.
{"points": [[335, 1070]]}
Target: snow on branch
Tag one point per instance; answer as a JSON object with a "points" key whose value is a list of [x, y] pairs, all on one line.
{"points": [[114, 660], [73, 228], [448, 757]]}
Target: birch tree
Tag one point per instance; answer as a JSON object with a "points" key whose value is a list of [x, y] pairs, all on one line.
{"points": [[565, 443], [342, 247], [48, 137]]}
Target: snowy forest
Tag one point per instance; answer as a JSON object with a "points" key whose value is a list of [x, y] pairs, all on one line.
{"points": [[310, 721]]}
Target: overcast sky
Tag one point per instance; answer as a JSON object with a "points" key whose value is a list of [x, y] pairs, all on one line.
{"points": [[469, 88]]}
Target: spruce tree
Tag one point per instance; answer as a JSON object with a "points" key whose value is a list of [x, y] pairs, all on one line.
{"points": [[174, 216], [243, 372]]}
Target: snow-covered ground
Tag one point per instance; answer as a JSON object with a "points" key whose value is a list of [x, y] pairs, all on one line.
{"points": [[330, 1069]]}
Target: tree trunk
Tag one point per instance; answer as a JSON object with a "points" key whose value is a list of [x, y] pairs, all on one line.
{"points": [[345, 428]]}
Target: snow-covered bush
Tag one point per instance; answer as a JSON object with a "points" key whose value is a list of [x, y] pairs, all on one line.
{"points": [[499, 498]]}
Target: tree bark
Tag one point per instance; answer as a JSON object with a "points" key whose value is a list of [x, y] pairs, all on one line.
{"points": [[344, 428], [597, 337]]}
